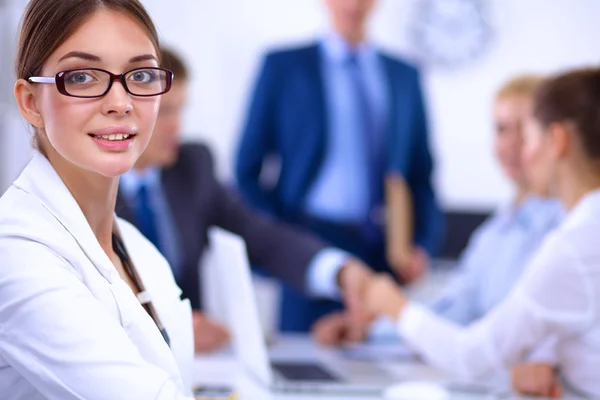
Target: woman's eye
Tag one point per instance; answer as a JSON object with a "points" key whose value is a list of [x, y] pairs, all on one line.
{"points": [[145, 76], [79, 78]]}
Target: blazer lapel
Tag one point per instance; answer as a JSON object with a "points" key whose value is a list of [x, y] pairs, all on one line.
{"points": [[41, 180], [124, 208], [317, 88], [173, 189], [397, 136]]}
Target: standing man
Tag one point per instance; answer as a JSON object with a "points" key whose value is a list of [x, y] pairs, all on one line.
{"points": [[173, 198], [344, 120]]}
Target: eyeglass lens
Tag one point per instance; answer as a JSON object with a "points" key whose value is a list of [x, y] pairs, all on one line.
{"points": [[90, 82]]}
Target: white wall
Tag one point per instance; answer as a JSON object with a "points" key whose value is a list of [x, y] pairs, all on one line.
{"points": [[14, 136], [223, 41]]}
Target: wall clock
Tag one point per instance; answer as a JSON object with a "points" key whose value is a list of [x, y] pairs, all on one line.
{"points": [[450, 33]]}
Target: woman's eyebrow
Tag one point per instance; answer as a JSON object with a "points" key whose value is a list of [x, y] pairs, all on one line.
{"points": [[92, 57], [143, 57], [80, 54]]}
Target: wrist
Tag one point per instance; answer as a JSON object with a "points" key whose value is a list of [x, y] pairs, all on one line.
{"points": [[396, 308], [340, 274], [347, 266]]}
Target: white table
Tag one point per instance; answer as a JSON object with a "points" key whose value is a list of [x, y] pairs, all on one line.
{"points": [[222, 368]]}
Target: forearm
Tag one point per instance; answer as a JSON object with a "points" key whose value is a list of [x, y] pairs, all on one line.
{"points": [[545, 352], [399, 227], [479, 350]]}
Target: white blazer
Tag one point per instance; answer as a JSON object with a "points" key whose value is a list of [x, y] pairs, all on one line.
{"points": [[70, 327], [557, 299]]}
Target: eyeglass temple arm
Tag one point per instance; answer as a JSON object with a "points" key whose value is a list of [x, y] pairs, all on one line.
{"points": [[42, 79]]}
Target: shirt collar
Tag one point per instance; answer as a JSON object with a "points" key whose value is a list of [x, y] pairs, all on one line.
{"points": [[534, 213], [338, 50], [132, 180], [537, 212]]}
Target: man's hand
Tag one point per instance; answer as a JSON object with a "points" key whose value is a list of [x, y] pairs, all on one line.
{"points": [[536, 379], [413, 267], [338, 328], [209, 335], [353, 280], [383, 296]]}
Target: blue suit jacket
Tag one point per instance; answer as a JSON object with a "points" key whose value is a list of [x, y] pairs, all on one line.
{"points": [[288, 118]]}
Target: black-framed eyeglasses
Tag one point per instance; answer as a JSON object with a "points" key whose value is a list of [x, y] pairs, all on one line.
{"points": [[96, 82]]}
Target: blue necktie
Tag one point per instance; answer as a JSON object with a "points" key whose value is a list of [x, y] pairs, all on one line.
{"points": [[145, 216], [365, 114]]}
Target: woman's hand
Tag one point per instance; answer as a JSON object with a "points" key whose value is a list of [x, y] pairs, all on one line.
{"points": [[339, 328], [536, 379], [384, 297], [209, 335], [415, 266]]}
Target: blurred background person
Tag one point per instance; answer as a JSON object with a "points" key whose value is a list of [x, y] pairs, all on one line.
{"points": [[173, 197], [501, 248], [340, 116], [556, 297]]}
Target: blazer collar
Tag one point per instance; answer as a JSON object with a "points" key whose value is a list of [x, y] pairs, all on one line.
{"points": [[41, 180]]}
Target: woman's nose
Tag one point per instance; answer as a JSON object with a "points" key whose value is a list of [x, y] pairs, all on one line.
{"points": [[117, 101]]}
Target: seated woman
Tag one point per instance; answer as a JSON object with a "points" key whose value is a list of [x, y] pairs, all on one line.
{"points": [[558, 295], [88, 307], [500, 249]]}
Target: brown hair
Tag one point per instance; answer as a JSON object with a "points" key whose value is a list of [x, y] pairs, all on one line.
{"points": [[574, 98], [521, 85], [172, 61], [47, 24]]}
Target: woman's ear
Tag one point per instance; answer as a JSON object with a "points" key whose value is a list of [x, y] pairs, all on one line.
{"points": [[26, 100], [561, 137]]}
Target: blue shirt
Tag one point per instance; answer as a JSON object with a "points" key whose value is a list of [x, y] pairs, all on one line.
{"points": [[494, 259], [497, 254], [341, 189], [322, 272]]}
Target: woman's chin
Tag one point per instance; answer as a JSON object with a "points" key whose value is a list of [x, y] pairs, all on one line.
{"points": [[117, 166]]}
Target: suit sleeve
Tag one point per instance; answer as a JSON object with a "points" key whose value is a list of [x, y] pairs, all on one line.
{"points": [[257, 140], [429, 223], [282, 251]]}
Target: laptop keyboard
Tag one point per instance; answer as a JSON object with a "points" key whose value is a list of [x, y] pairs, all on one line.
{"points": [[304, 372]]}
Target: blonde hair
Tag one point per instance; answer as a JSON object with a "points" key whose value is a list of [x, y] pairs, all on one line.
{"points": [[521, 85]]}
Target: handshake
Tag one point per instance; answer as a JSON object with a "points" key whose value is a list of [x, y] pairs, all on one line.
{"points": [[366, 296]]}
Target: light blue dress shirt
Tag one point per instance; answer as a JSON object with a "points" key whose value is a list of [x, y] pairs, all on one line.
{"points": [[341, 190], [497, 254], [493, 261], [322, 271], [167, 231]]}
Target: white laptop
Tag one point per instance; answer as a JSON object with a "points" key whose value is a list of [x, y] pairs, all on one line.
{"points": [[233, 282]]}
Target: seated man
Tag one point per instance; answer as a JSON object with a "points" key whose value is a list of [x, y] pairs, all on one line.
{"points": [[173, 197]]}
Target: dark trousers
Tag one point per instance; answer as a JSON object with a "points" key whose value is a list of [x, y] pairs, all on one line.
{"points": [[299, 312]]}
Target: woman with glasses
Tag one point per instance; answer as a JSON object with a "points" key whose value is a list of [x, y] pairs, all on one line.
{"points": [[88, 307], [557, 298]]}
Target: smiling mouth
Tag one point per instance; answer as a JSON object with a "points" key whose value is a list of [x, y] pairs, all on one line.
{"points": [[114, 137]]}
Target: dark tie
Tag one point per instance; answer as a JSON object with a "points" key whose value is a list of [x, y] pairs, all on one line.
{"points": [[146, 219], [366, 118]]}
